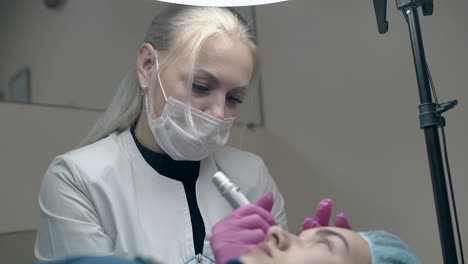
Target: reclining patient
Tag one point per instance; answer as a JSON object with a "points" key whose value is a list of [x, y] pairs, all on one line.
{"points": [[327, 245], [249, 236]]}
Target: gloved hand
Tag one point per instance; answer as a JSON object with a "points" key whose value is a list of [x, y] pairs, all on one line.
{"points": [[322, 215], [245, 227]]}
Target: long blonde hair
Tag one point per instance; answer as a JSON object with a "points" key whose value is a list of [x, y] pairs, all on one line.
{"points": [[172, 30]]}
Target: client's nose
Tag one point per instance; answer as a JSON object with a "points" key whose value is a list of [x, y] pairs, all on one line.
{"points": [[278, 237]]}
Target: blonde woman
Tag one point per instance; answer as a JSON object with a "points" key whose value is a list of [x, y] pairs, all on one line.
{"points": [[140, 183]]}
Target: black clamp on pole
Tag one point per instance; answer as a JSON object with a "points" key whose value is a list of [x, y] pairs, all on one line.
{"points": [[430, 114]]}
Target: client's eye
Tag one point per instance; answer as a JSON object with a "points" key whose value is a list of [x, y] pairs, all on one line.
{"points": [[326, 242]]}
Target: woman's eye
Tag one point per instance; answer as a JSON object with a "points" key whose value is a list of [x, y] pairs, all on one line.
{"points": [[200, 88], [234, 99]]}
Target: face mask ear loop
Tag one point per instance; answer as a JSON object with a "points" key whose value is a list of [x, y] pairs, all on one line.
{"points": [[159, 77]]}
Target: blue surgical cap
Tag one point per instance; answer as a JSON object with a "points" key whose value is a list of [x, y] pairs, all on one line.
{"points": [[386, 248]]}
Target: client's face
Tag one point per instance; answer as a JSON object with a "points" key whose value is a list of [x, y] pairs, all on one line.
{"points": [[324, 245]]}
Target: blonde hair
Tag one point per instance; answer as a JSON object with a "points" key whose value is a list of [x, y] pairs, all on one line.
{"points": [[171, 31]]}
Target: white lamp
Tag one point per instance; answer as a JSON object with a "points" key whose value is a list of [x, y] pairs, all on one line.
{"points": [[223, 2]]}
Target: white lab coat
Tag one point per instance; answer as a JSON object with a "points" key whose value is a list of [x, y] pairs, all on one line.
{"points": [[105, 199]]}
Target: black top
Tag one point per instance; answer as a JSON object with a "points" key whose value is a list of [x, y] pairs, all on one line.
{"points": [[186, 172]]}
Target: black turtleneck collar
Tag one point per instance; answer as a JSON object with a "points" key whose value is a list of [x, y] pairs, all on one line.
{"points": [[165, 165]]}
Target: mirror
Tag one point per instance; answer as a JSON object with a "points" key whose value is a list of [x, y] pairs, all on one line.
{"points": [[74, 53]]}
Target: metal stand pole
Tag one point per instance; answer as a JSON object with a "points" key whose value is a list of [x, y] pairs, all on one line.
{"points": [[430, 117]]}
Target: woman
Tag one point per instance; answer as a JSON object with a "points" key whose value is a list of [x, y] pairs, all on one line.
{"points": [[140, 185]]}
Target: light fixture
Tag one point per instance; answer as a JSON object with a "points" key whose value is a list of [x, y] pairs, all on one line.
{"points": [[223, 2]]}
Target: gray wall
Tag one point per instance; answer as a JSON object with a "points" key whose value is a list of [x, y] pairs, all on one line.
{"points": [[341, 109]]}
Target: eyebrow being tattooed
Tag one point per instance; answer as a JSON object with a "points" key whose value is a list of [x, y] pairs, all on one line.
{"points": [[324, 233]]}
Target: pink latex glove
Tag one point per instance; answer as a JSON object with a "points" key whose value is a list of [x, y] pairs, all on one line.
{"points": [[322, 216], [245, 227]]}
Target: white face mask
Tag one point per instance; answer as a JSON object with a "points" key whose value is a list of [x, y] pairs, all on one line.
{"points": [[183, 132]]}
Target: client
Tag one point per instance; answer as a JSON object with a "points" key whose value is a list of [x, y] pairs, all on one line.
{"points": [[327, 245]]}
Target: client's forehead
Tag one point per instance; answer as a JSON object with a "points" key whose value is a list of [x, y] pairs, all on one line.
{"points": [[321, 230], [357, 246], [343, 234]]}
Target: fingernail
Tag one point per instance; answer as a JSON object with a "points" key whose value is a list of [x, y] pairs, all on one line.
{"points": [[326, 202], [307, 222], [342, 215], [268, 195]]}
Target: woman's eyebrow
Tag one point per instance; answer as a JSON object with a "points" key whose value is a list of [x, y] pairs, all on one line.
{"points": [[327, 233], [208, 75], [214, 80]]}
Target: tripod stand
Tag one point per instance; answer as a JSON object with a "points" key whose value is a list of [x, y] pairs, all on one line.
{"points": [[430, 117]]}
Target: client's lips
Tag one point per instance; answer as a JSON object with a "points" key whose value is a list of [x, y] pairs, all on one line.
{"points": [[265, 248]]}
